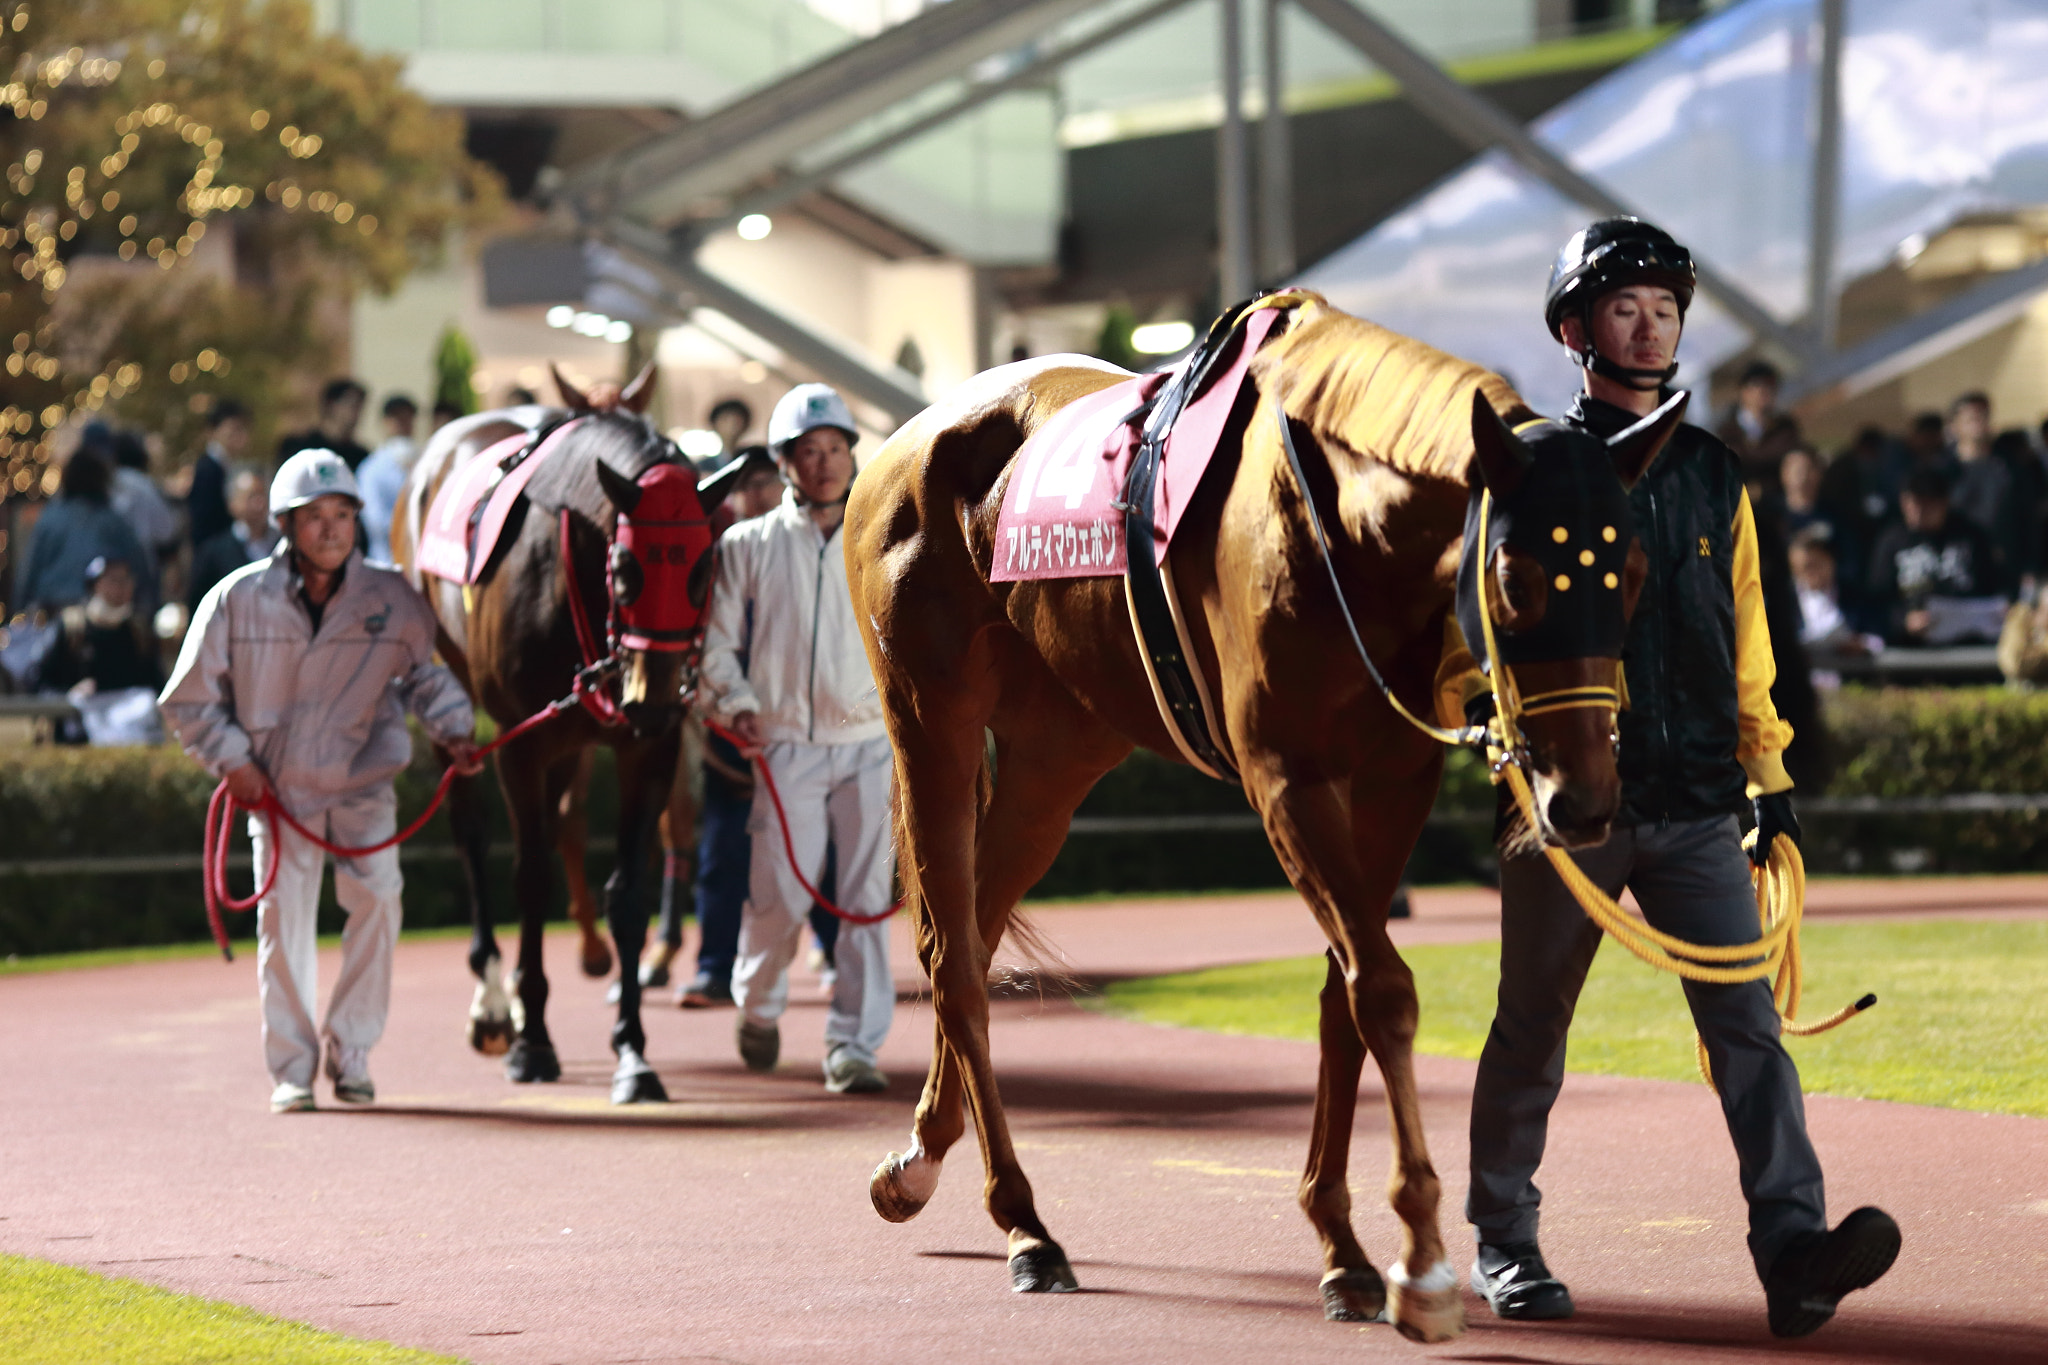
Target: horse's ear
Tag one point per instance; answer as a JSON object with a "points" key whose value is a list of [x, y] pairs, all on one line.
{"points": [[573, 398], [1633, 450], [1503, 457], [624, 493], [637, 395]]}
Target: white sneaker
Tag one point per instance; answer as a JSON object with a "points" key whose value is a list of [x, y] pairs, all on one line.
{"points": [[291, 1099]]}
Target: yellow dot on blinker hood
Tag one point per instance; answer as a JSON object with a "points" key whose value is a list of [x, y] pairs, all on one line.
{"points": [[1560, 535], [1612, 581], [1607, 534], [1586, 558], [1562, 583]]}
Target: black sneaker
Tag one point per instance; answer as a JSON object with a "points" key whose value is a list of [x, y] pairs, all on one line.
{"points": [[760, 1044], [704, 992], [1811, 1275], [1516, 1284]]}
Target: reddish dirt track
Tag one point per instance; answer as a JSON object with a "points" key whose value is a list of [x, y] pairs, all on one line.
{"points": [[538, 1224]]}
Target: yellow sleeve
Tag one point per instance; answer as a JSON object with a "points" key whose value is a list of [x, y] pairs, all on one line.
{"points": [[1761, 749]]}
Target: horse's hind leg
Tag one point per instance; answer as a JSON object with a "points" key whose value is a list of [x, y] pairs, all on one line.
{"points": [[490, 1012], [534, 781], [573, 842], [645, 768]]}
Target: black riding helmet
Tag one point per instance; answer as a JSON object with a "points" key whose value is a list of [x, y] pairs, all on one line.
{"points": [[1605, 256]]}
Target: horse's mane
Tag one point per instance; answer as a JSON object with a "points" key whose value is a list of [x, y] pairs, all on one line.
{"points": [[1382, 395], [623, 439]]}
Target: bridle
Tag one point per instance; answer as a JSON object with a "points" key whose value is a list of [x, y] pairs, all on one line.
{"points": [[657, 544], [1501, 737]]}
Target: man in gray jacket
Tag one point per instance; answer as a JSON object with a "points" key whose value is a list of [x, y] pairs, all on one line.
{"points": [[295, 679], [805, 708]]}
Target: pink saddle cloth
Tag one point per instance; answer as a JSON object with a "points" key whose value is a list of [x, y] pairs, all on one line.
{"points": [[470, 508], [1060, 516]]}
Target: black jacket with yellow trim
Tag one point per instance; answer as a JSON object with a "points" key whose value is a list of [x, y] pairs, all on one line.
{"points": [[1700, 736]]}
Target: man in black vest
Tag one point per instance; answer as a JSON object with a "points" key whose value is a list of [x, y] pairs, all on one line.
{"points": [[1699, 743]]}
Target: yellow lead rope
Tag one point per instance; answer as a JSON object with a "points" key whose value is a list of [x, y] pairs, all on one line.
{"points": [[1780, 884]]}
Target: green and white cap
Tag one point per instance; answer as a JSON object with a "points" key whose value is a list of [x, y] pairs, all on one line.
{"points": [[806, 408], [309, 476]]}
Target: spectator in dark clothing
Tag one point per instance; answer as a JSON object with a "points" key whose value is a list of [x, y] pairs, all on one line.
{"points": [[1927, 447], [1798, 501], [1859, 494], [341, 412], [1756, 430], [2016, 452], [1808, 757], [78, 526], [104, 644], [444, 413], [1981, 489], [1935, 577], [251, 537], [227, 442]]}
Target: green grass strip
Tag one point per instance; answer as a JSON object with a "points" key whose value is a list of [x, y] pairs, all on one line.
{"points": [[59, 1315], [245, 948], [1961, 1019]]}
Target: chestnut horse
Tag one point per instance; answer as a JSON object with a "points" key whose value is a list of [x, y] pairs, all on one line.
{"points": [[513, 640], [1395, 439]]}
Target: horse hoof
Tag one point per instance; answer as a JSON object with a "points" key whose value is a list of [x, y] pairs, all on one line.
{"points": [[638, 1087], [1042, 1269], [903, 1184], [1431, 1308], [529, 1062], [491, 1037], [597, 958], [1354, 1295]]}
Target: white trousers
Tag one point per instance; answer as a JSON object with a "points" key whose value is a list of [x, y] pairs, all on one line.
{"points": [[288, 947], [836, 794]]}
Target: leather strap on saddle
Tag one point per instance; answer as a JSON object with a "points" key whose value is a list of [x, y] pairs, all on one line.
{"points": [[1208, 398]]}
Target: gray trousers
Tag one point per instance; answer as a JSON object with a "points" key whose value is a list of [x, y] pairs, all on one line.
{"points": [[1692, 880], [836, 794]]}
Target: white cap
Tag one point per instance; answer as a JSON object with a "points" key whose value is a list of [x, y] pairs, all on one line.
{"points": [[308, 476], [806, 408]]}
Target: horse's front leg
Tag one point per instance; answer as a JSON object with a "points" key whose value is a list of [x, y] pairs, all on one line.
{"points": [[1344, 845], [645, 770], [490, 1012]]}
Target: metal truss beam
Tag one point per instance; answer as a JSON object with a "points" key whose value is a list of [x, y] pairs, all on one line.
{"points": [[1481, 125], [682, 286], [1918, 339], [792, 184], [692, 170]]}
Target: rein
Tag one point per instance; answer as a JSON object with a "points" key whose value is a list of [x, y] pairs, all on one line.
{"points": [[1780, 884], [221, 807]]}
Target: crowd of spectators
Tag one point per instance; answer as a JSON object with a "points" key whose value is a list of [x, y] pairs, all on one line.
{"points": [[117, 543], [1933, 537]]}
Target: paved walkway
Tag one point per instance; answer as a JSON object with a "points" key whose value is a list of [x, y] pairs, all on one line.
{"points": [[540, 1225]]}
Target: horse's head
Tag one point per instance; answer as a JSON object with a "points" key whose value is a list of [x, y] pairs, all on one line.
{"points": [[658, 567], [1559, 568]]}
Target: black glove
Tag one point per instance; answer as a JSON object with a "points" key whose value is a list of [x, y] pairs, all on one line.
{"points": [[1773, 817]]}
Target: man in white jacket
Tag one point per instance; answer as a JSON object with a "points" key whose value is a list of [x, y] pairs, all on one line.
{"points": [[295, 678], [805, 707]]}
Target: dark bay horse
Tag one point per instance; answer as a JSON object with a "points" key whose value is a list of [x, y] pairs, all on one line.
{"points": [[513, 640], [1395, 440]]}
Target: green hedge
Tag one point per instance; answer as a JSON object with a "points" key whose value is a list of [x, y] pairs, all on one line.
{"points": [[63, 803], [75, 803]]}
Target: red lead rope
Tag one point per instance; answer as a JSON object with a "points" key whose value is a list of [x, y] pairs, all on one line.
{"points": [[220, 812], [789, 844]]}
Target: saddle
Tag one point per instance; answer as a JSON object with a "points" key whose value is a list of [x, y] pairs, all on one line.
{"points": [[1119, 468], [460, 532]]}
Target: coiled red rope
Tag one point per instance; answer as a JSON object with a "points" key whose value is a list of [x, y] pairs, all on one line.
{"points": [[789, 844], [221, 808]]}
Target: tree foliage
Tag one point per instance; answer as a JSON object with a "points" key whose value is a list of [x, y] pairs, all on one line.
{"points": [[191, 189]]}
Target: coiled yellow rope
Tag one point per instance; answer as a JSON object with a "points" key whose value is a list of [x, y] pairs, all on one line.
{"points": [[1780, 883]]}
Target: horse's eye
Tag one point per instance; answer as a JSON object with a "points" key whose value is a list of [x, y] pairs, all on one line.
{"points": [[627, 576], [699, 582]]}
